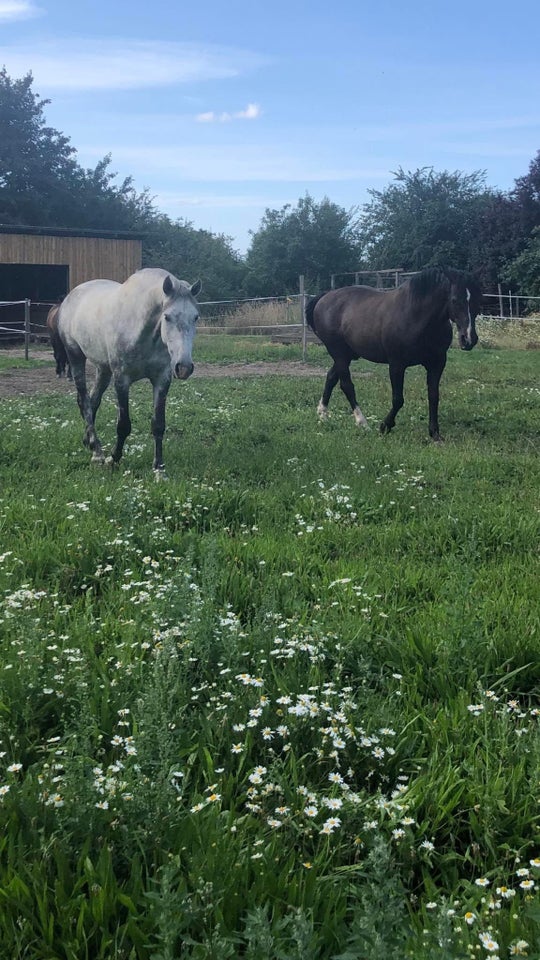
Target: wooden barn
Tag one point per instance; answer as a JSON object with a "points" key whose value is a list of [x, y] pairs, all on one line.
{"points": [[42, 264]]}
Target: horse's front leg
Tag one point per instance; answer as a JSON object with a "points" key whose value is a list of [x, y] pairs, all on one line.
{"points": [[397, 376], [123, 423], [161, 389], [90, 439], [433, 377]]}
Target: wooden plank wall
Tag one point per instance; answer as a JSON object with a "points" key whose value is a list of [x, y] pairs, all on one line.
{"points": [[88, 258]]}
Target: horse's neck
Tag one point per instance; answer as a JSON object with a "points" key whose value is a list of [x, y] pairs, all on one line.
{"points": [[428, 311]]}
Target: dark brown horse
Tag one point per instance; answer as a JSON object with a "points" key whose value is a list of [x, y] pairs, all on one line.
{"points": [[404, 327], [60, 355]]}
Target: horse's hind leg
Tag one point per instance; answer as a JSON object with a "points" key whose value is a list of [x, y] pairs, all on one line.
{"points": [[77, 362], [397, 376], [346, 384], [332, 378]]}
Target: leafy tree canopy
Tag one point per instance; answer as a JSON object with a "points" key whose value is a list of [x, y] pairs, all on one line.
{"points": [[423, 218], [312, 239]]}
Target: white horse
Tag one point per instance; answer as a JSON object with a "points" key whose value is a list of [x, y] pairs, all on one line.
{"points": [[143, 328]]}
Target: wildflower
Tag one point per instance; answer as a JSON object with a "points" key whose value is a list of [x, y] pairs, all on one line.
{"points": [[197, 808], [408, 821], [330, 825], [237, 748], [470, 917], [335, 778], [431, 905], [307, 864], [311, 810], [4, 789], [488, 942], [522, 872], [398, 833], [527, 884], [275, 824], [482, 882], [505, 892], [14, 767], [267, 733], [519, 948], [214, 797], [427, 845], [333, 803], [102, 804], [535, 862]]}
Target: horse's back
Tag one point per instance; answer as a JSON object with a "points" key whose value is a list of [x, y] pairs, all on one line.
{"points": [[85, 316], [352, 317]]}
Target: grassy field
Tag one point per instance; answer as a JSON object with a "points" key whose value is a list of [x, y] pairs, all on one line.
{"points": [[284, 704]]}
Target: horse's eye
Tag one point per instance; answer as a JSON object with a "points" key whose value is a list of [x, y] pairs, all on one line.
{"points": [[167, 316]]}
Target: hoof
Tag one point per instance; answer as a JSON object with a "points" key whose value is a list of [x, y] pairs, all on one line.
{"points": [[159, 474], [110, 463], [322, 412], [98, 458]]}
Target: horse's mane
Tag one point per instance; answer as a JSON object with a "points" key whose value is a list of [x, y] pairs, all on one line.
{"points": [[432, 278]]}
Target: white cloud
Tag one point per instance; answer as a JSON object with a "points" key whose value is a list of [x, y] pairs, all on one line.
{"points": [[124, 64], [18, 10], [252, 112]]}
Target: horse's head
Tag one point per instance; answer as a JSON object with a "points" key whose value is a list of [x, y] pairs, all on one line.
{"points": [[178, 322], [465, 300]]}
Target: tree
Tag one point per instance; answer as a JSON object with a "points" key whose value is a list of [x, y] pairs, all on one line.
{"points": [[526, 195], [313, 239], [190, 253], [523, 273], [424, 218], [42, 183], [36, 161]]}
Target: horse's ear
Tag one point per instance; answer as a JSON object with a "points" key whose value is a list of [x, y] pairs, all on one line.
{"points": [[196, 288], [168, 286]]}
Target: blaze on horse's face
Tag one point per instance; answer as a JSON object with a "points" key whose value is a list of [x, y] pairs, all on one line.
{"points": [[178, 322], [465, 301]]}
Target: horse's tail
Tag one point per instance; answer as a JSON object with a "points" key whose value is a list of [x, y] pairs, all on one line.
{"points": [[310, 310], [59, 350]]}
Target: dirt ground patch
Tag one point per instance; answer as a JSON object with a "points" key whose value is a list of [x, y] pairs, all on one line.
{"points": [[19, 382]]}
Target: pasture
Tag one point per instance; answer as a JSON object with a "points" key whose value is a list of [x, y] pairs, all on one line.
{"points": [[284, 704]]}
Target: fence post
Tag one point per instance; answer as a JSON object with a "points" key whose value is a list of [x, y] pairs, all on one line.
{"points": [[303, 309], [332, 281], [26, 327], [499, 288]]}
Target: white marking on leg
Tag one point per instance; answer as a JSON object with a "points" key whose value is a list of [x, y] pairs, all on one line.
{"points": [[359, 417], [322, 411]]}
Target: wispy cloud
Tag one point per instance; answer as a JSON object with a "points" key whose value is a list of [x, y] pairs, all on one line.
{"points": [[252, 112], [18, 10], [228, 163], [124, 64]]}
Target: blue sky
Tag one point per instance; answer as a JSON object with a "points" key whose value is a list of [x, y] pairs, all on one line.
{"points": [[223, 109]]}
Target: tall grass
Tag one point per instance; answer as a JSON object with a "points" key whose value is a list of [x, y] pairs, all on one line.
{"points": [[284, 705]]}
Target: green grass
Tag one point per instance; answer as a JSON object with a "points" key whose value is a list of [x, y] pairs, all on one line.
{"points": [[304, 622]]}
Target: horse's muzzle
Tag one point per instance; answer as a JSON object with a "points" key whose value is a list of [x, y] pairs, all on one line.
{"points": [[183, 370], [466, 344]]}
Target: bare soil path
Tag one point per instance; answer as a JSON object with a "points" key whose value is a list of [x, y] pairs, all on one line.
{"points": [[21, 382]]}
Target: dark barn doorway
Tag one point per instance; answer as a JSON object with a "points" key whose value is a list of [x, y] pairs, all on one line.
{"points": [[33, 281]]}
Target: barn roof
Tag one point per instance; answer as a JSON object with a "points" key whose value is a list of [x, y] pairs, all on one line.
{"points": [[69, 232]]}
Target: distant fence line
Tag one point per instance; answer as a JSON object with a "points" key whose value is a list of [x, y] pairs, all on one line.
{"points": [[281, 318]]}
